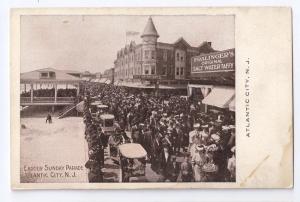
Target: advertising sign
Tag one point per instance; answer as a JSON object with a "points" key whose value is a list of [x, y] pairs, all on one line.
{"points": [[221, 61], [147, 77]]}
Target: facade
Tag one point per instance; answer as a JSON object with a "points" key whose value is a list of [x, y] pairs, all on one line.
{"points": [[153, 60], [213, 80], [98, 75], [109, 75]]}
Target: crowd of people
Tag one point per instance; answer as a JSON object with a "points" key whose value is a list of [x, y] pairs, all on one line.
{"points": [[170, 128], [49, 92]]}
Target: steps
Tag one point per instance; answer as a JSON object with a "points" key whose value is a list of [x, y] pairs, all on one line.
{"points": [[67, 110], [78, 107]]}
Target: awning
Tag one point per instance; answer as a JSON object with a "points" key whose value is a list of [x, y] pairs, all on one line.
{"points": [[172, 86], [232, 105], [102, 80], [219, 97], [80, 106]]}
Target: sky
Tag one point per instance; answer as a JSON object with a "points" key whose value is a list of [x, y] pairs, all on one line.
{"points": [[80, 43]]}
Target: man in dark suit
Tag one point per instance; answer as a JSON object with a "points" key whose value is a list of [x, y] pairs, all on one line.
{"points": [[156, 149], [178, 134], [167, 141], [164, 159]]}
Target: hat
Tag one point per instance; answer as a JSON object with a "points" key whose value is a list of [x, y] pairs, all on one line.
{"points": [[212, 148], [90, 163], [225, 128], [232, 149], [231, 127], [219, 119], [215, 137], [205, 126], [165, 114], [173, 157], [200, 148], [196, 125]]}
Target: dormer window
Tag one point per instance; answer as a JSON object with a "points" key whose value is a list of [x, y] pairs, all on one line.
{"points": [[51, 74], [44, 74], [47, 75]]}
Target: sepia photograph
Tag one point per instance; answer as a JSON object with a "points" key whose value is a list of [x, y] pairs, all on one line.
{"points": [[151, 98], [127, 98]]}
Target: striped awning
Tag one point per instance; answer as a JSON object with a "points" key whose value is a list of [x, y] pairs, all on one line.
{"points": [[220, 97]]}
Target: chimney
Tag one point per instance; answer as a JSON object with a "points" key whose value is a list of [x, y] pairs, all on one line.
{"points": [[209, 43]]}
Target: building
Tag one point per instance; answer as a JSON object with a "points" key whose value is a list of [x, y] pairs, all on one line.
{"points": [[50, 81], [153, 62], [98, 75], [213, 80], [109, 75], [73, 73], [87, 76]]}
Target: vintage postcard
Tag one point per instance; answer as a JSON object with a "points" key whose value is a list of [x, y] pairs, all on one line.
{"points": [[135, 98]]}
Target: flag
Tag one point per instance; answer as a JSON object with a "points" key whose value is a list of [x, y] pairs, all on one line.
{"points": [[131, 33]]}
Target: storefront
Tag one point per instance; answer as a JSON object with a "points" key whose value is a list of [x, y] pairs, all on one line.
{"points": [[213, 80]]}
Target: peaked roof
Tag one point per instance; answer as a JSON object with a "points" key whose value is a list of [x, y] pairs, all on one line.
{"points": [[182, 40], [150, 29], [205, 47], [60, 76]]}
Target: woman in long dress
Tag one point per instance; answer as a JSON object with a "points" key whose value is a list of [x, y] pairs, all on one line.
{"points": [[198, 160], [196, 142]]}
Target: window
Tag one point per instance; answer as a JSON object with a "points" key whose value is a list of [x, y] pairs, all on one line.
{"points": [[52, 74], [165, 55], [152, 54], [164, 70], [44, 74], [181, 71], [181, 58], [177, 55], [147, 54], [147, 69], [177, 71], [152, 69]]}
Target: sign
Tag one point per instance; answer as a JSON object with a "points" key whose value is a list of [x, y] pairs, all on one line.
{"points": [[221, 61], [146, 77]]}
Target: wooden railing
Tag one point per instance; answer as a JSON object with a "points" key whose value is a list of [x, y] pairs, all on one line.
{"points": [[47, 99]]}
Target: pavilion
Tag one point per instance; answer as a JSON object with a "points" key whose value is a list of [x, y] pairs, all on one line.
{"points": [[47, 77]]}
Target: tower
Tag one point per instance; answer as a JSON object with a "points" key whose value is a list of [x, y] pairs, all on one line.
{"points": [[149, 40]]}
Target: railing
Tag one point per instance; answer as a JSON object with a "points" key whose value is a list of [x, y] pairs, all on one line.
{"points": [[25, 99], [47, 99], [43, 99], [65, 99]]}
